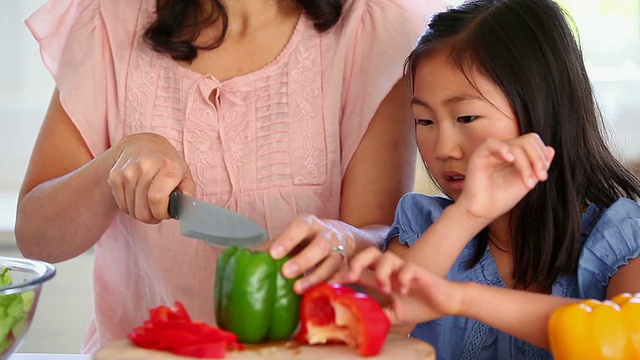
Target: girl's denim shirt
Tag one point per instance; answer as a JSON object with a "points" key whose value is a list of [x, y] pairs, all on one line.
{"points": [[611, 237]]}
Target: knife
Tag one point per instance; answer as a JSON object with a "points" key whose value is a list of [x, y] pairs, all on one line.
{"points": [[213, 224]]}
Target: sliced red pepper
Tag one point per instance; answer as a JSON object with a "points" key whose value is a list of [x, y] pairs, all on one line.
{"points": [[164, 313], [171, 329], [334, 313], [172, 339]]}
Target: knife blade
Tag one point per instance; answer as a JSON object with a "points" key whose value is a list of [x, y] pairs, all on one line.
{"points": [[214, 224]]}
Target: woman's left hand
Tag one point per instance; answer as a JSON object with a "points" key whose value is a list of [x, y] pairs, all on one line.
{"points": [[317, 248]]}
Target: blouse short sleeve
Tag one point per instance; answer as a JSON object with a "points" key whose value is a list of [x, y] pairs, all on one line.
{"points": [[614, 240], [81, 51], [414, 214], [387, 31]]}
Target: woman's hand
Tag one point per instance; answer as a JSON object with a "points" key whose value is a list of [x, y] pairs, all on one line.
{"points": [[318, 250], [501, 173], [146, 169], [416, 294]]}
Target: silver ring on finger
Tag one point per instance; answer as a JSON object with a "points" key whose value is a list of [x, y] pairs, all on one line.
{"points": [[339, 249]]}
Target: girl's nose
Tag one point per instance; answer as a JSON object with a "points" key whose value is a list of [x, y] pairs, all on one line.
{"points": [[447, 145]]}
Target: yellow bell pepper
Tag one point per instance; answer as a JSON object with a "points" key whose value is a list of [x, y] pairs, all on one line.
{"points": [[595, 330]]}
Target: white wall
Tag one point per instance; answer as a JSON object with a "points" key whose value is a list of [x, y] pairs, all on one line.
{"points": [[25, 88]]}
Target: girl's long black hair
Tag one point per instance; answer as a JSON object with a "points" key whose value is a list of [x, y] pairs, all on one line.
{"points": [[527, 48], [179, 22]]}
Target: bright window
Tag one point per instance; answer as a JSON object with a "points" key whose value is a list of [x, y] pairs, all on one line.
{"points": [[609, 31]]}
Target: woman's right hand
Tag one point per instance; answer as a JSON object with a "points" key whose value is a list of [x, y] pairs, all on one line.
{"points": [[145, 171]]}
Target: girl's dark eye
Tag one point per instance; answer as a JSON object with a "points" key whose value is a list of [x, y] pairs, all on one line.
{"points": [[466, 119], [423, 122]]}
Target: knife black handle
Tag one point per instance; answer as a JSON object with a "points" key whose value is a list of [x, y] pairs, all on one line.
{"points": [[173, 204]]}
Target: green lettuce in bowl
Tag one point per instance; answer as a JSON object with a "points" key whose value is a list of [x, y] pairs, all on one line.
{"points": [[21, 281]]}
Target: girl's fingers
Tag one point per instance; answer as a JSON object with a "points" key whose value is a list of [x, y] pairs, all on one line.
{"points": [[527, 148], [387, 267], [387, 275], [536, 152], [367, 278], [361, 261], [384, 270], [523, 165], [550, 153], [406, 277], [500, 150]]}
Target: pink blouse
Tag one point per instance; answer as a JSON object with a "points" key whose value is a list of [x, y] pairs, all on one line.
{"points": [[272, 144]]}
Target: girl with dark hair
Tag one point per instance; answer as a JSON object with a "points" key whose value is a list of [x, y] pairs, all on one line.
{"points": [[538, 212], [271, 108]]}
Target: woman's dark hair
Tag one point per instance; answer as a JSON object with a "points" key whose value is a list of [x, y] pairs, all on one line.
{"points": [[179, 23], [527, 48]]}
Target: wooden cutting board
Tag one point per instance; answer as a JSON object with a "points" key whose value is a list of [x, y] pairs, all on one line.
{"points": [[396, 347]]}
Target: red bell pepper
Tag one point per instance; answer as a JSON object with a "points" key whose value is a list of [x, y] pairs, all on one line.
{"points": [[171, 329], [334, 313], [164, 313]]}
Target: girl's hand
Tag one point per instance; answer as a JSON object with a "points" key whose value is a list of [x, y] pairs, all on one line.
{"points": [[501, 173], [146, 169], [314, 245], [416, 294]]}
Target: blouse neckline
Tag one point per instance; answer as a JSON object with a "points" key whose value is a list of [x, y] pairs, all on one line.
{"points": [[291, 43]]}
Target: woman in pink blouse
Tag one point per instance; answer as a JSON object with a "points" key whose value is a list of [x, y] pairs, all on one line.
{"points": [[271, 108]]}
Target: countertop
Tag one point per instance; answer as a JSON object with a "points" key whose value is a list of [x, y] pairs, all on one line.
{"points": [[38, 356], [395, 347]]}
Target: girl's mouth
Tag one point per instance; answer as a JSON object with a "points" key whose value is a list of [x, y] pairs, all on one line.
{"points": [[456, 180]]}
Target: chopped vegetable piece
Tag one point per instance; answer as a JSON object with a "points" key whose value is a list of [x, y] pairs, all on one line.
{"points": [[172, 329], [597, 330], [14, 311], [252, 298], [334, 313]]}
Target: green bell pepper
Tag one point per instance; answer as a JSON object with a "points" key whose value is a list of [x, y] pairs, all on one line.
{"points": [[252, 298]]}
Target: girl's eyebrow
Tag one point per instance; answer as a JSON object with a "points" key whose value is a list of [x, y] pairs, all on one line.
{"points": [[416, 101], [461, 98], [451, 100]]}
